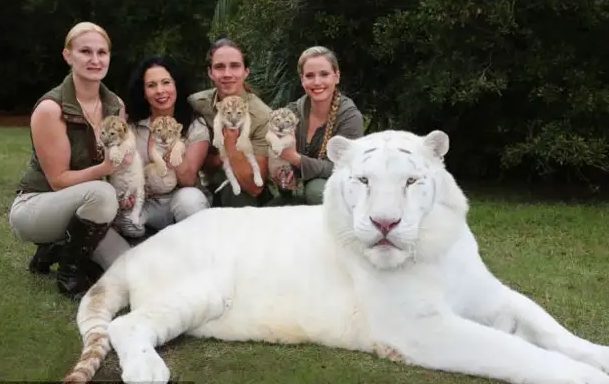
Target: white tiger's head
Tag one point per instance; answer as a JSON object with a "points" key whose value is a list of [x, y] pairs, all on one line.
{"points": [[165, 131], [233, 110], [385, 193], [282, 122], [114, 131]]}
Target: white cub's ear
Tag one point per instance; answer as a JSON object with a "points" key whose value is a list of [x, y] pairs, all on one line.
{"points": [[337, 147], [438, 142]]}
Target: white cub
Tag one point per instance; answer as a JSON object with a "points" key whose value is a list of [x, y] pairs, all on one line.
{"points": [[127, 179], [233, 113], [166, 142], [386, 265], [280, 135]]}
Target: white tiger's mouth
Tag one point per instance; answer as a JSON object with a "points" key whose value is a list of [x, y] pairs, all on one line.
{"points": [[385, 243]]}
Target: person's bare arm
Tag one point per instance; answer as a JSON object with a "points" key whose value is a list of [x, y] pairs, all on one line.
{"points": [[241, 167], [52, 148], [194, 157]]}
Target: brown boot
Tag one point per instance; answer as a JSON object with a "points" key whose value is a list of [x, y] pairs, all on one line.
{"points": [[82, 237]]}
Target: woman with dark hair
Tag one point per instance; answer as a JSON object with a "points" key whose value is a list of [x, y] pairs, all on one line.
{"points": [[157, 89], [228, 67]]}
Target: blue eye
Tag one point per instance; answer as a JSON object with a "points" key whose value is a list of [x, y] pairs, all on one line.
{"points": [[411, 180], [363, 180]]}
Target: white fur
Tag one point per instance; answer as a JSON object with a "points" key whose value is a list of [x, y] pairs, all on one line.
{"points": [[244, 145], [277, 143], [314, 274], [128, 179], [159, 178]]}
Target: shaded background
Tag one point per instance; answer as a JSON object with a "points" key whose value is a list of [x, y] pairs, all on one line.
{"points": [[521, 87]]}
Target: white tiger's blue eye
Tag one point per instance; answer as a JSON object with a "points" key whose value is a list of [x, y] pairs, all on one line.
{"points": [[411, 180], [363, 180]]}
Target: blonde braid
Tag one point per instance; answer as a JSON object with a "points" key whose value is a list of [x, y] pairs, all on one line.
{"points": [[330, 123]]}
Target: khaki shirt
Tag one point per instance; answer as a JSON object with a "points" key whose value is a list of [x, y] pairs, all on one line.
{"points": [[204, 103]]}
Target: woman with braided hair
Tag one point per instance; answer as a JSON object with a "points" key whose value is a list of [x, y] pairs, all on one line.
{"points": [[323, 112]]}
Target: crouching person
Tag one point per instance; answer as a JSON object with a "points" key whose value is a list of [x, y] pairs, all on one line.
{"points": [[62, 204]]}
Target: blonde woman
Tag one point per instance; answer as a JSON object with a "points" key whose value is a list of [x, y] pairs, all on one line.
{"points": [[62, 204], [323, 112]]}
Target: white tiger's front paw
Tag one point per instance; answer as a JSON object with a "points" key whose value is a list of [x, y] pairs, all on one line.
{"points": [[277, 150], [146, 367], [175, 159], [116, 159], [258, 180], [236, 189], [162, 170], [580, 374], [599, 358], [135, 218]]}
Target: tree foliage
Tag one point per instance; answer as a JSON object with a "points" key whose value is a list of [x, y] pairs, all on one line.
{"points": [[34, 33], [520, 86]]}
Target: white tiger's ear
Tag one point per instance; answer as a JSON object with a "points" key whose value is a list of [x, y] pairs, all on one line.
{"points": [[438, 142], [337, 147]]}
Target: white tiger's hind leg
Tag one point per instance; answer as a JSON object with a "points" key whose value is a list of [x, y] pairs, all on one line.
{"points": [[135, 335], [136, 211], [255, 169], [230, 175], [524, 318]]}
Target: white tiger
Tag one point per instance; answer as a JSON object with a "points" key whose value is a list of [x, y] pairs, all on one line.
{"points": [[233, 113], [128, 179], [165, 132], [281, 134], [387, 264]]}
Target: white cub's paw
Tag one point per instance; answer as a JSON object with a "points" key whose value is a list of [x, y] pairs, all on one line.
{"points": [[258, 180], [135, 219], [162, 170], [277, 149], [236, 188], [116, 159], [175, 158], [145, 367]]}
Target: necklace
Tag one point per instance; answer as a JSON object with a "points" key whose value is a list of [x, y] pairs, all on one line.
{"points": [[99, 149], [89, 116]]}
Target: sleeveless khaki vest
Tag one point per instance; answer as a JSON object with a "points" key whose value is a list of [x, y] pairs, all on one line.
{"points": [[83, 145]]}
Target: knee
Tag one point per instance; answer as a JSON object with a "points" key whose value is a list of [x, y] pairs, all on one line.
{"points": [[187, 201], [314, 191], [101, 202]]}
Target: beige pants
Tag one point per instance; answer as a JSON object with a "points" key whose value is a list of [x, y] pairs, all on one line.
{"points": [[44, 217]]}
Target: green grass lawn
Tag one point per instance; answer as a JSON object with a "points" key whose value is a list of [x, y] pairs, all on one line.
{"points": [[556, 253]]}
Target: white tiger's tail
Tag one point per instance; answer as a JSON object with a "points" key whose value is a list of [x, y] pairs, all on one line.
{"points": [[96, 310]]}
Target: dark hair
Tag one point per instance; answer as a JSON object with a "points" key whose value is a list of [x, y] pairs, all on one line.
{"points": [[137, 106], [226, 42]]}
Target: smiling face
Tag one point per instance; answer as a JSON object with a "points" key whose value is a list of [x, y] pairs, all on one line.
{"points": [[160, 91], [89, 56], [228, 72], [319, 79]]}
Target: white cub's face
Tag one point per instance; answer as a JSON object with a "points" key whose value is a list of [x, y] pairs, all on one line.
{"points": [[388, 187], [282, 122]]}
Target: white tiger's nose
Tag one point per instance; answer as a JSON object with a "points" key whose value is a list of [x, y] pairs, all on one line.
{"points": [[385, 225]]}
